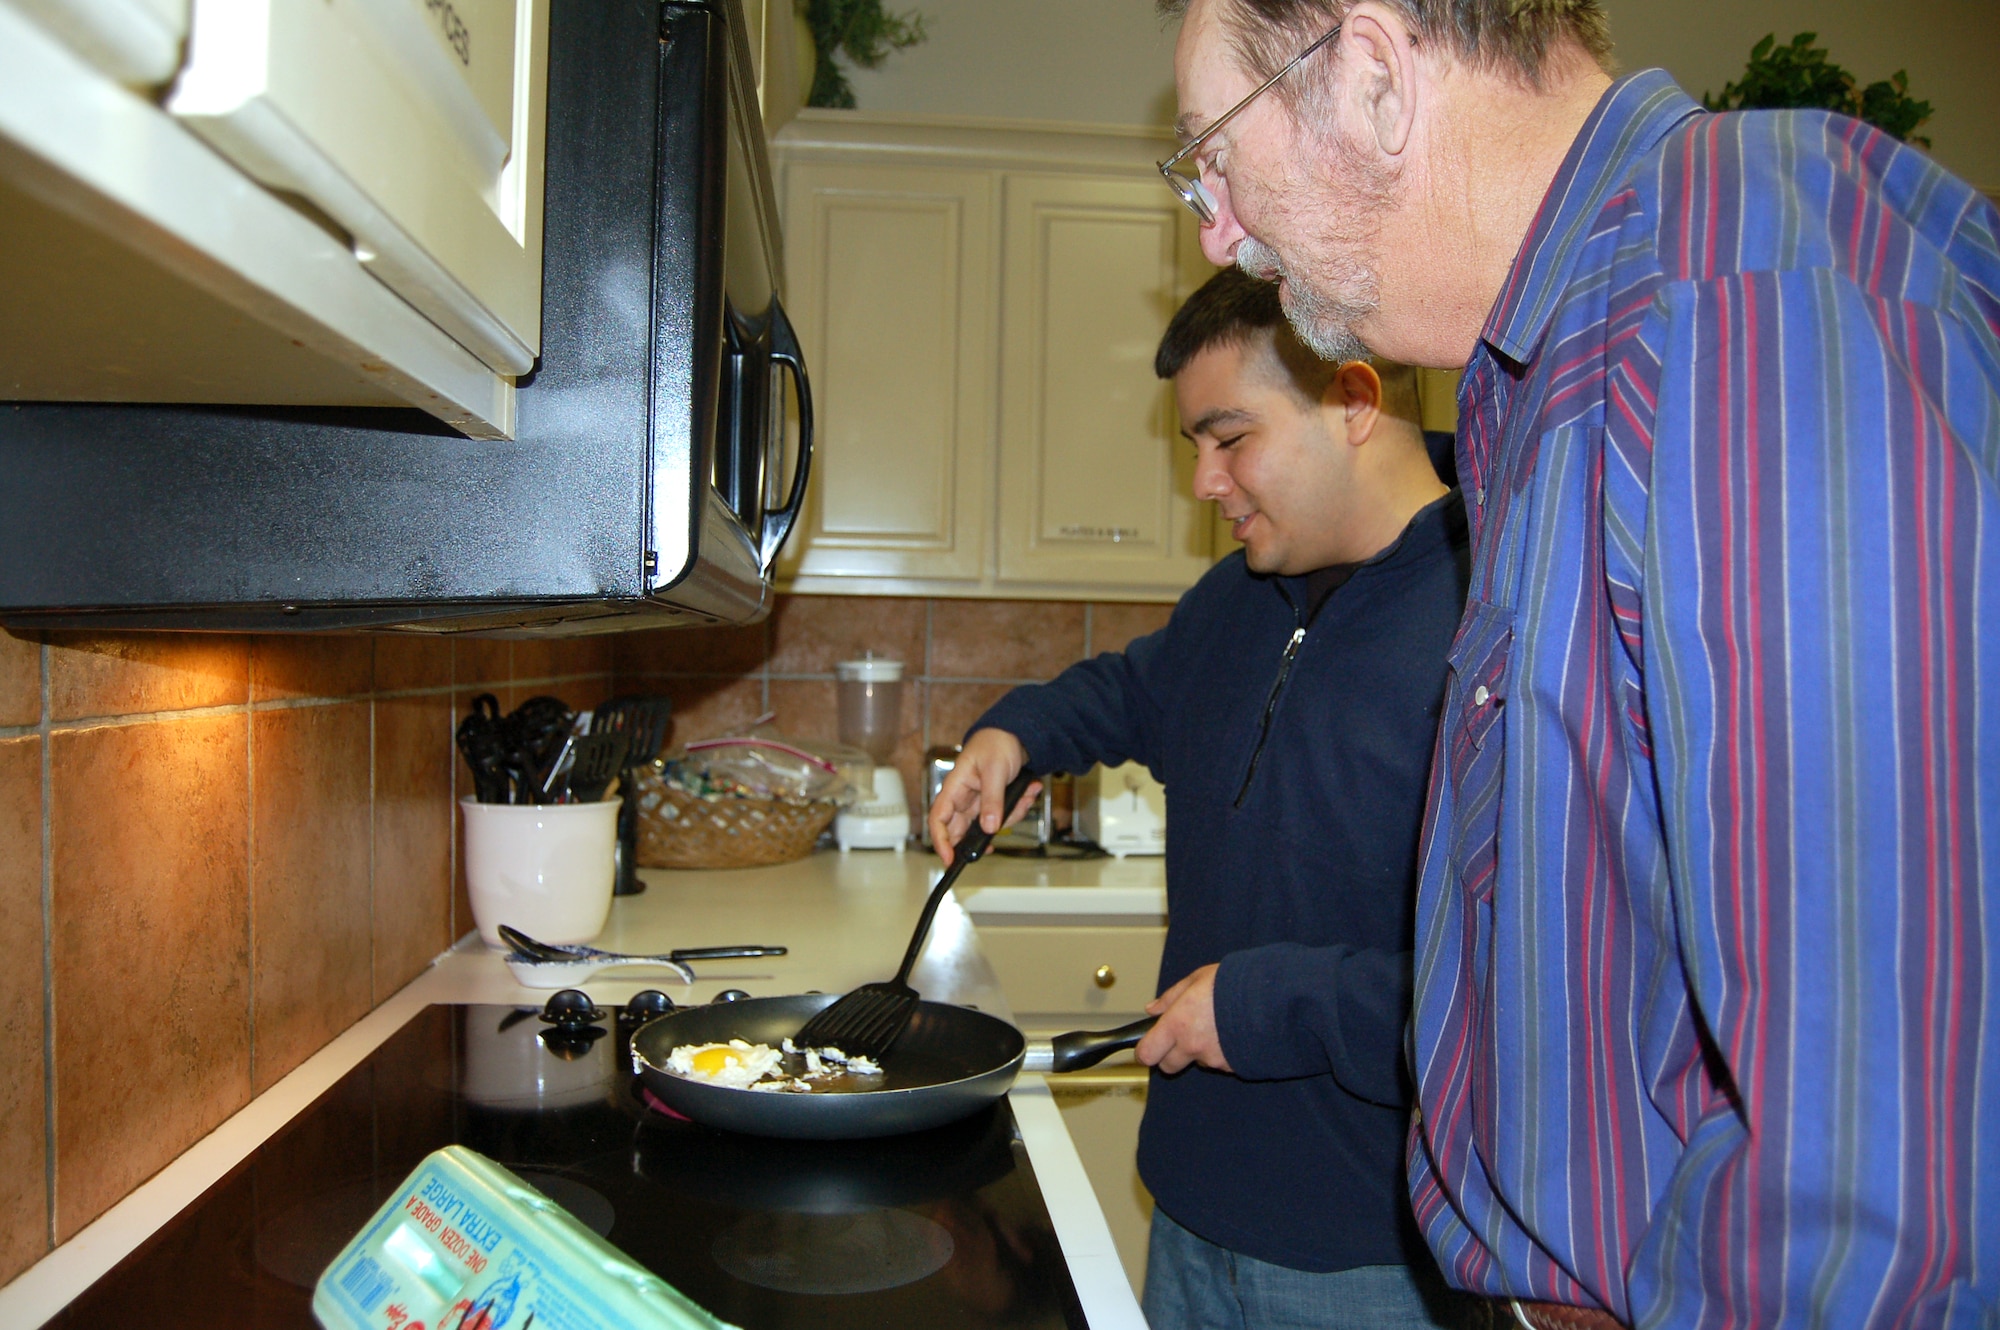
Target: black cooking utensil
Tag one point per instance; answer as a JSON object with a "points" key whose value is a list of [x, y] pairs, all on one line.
{"points": [[950, 1063], [643, 720], [484, 751], [594, 761], [868, 1020], [533, 735], [547, 788]]}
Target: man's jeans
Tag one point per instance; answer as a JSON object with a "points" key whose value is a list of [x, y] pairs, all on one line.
{"points": [[1192, 1284]]}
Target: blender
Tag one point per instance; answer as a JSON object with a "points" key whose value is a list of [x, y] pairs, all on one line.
{"points": [[871, 711]]}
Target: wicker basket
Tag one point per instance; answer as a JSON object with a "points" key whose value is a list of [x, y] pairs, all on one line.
{"points": [[682, 830]]}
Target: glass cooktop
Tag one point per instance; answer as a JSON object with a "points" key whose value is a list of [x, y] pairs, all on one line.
{"points": [[944, 1227]]}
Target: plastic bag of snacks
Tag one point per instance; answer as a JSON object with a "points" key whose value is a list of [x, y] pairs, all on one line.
{"points": [[745, 799]]}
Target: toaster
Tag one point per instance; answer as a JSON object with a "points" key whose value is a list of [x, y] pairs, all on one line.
{"points": [[1123, 809], [1033, 832]]}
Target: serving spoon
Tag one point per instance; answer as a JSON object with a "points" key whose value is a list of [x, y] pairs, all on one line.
{"points": [[538, 964]]}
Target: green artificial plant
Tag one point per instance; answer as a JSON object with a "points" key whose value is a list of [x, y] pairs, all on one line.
{"points": [[860, 30], [1800, 75]]}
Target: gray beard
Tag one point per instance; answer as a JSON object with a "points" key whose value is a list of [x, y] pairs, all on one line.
{"points": [[1323, 320]]}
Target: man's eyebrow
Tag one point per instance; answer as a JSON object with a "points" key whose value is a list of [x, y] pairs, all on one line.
{"points": [[1207, 422], [1184, 125]]}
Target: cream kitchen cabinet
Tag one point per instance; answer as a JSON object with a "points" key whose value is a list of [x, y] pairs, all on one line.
{"points": [[892, 278], [980, 302], [1096, 487], [415, 127], [312, 202]]}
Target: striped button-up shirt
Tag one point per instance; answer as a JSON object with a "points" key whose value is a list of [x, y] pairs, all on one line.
{"points": [[1708, 950]]}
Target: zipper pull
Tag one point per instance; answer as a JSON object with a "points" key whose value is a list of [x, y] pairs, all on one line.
{"points": [[1271, 705]]}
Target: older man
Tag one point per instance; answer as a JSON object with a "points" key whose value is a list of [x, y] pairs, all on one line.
{"points": [[1708, 956]]}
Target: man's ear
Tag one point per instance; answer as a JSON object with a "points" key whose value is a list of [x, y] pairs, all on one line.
{"points": [[1355, 390], [1379, 63]]}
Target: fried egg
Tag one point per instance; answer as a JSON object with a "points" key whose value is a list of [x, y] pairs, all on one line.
{"points": [[746, 1066], [832, 1062], [736, 1064]]}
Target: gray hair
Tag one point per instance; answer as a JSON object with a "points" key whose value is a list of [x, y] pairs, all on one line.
{"points": [[1514, 35]]}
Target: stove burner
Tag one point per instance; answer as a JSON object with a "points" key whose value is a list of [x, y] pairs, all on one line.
{"points": [[833, 1254], [587, 1205], [298, 1243]]}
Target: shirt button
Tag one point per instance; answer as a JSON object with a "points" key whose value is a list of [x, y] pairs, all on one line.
{"points": [[1479, 696], [1479, 497]]}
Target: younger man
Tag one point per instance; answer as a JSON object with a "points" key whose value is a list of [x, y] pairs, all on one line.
{"points": [[1290, 706]]}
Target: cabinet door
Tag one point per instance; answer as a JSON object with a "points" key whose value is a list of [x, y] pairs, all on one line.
{"points": [[1101, 1109], [891, 291], [1095, 481], [415, 125]]}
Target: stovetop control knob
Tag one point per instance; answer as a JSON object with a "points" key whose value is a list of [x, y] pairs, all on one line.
{"points": [[731, 995], [645, 1006], [572, 1009]]}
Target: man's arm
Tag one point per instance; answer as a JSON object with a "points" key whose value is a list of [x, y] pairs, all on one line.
{"points": [[1106, 709], [1281, 1011], [1819, 604]]}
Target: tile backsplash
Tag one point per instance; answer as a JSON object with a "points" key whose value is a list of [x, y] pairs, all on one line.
{"points": [[959, 656], [216, 853], [224, 850]]}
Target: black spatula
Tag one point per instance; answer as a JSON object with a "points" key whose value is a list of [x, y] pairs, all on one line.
{"points": [[867, 1021], [643, 721], [597, 759]]}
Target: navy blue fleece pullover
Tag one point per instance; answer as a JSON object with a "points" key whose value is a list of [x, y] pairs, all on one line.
{"points": [[1295, 780]]}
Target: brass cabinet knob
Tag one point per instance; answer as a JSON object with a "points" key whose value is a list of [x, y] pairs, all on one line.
{"points": [[1105, 976]]}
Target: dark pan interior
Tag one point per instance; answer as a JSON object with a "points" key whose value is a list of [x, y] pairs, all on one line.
{"points": [[943, 1043], [948, 1063]]}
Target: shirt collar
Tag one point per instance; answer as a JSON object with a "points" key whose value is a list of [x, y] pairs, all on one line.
{"points": [[1633, 115], [1436, 523]]}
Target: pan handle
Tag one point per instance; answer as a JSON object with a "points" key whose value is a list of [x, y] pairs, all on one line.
{"points": [[1084, 1048]]}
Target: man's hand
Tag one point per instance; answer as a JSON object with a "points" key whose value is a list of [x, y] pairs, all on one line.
{"points": [[977, 783], [1186, 1030]]}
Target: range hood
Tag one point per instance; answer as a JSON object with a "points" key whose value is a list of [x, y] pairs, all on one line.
{"points": [[641, 486]]}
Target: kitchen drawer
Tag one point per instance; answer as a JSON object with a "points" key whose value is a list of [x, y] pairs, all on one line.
{"points": [[1067, 976], [415, 127]]}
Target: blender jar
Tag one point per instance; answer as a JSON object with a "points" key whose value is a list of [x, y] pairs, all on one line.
{"points": [[871, 716]]}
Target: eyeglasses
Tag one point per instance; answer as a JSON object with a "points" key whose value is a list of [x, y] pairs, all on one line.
{"points": [[1192, 192]]}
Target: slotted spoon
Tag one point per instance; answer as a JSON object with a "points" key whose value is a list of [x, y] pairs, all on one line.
{"points": [[867, 1021]]}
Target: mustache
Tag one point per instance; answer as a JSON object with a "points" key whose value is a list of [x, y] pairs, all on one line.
{"points": [[1323, 320], [1259, 260]]}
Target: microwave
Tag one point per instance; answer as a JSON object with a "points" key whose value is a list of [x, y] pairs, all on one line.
{"points": [[662, 441]]}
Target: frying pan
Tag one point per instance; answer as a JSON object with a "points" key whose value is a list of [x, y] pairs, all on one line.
{"points": [[948, 1064]]}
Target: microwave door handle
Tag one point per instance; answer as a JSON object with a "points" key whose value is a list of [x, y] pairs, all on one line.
{"points": [[785, 351]]}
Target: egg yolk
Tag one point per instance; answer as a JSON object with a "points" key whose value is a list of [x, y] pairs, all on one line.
{"points": [[711, 1060]]}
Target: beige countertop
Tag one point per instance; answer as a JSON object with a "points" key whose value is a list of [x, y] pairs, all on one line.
{"points": [[846, 919]]}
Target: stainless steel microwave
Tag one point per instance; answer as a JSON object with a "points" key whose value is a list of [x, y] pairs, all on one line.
{"points": [[662, 440]]}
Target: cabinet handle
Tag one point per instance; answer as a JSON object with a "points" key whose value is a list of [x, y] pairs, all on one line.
{"points": [[1105, 976]]}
